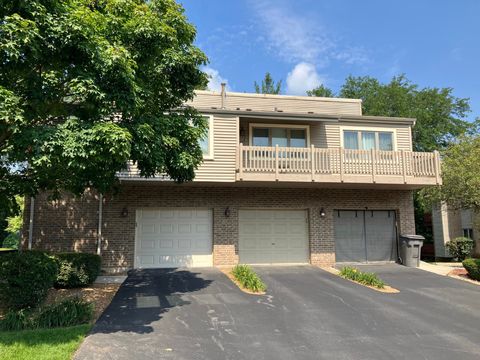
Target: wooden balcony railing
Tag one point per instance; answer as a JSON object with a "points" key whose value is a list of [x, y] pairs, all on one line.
{"points": [[257, 163]]}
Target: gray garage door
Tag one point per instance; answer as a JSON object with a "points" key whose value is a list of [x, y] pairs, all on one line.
{"points": [[364, 235]]}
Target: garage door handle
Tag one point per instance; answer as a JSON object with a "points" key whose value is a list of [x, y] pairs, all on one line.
{"points": [[273, 243]]}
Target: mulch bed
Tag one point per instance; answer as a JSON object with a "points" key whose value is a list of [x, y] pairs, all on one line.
{"points": [[463, 274], [100, 295]]}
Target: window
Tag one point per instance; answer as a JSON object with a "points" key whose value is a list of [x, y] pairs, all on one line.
{"points": [[206, 143], [279, 135], [366, 140], [468, 233]]}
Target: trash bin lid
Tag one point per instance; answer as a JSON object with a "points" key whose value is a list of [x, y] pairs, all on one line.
{"points": [[411, 237]]}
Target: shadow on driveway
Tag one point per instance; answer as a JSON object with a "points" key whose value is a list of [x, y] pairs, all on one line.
{"points": [[145, 296]]}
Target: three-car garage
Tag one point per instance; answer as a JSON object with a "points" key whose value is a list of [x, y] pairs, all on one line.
{"points": [[184, 237]]}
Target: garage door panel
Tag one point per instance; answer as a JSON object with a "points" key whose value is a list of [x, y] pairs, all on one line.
{"points": [[166, 214], [349, 236], [149, 214], [184, 228], [174, 237], [146, 244], [273, 236], [380, 235], [166, 244], [362, 236]]}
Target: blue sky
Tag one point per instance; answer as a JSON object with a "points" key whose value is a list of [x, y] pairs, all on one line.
{"points": [[436, 43]]}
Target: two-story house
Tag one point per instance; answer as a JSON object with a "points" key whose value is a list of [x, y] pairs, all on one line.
{"points": [[285, 180]]}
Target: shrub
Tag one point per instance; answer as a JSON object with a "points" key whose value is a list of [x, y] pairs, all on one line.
{"points": [[460, 248], [69, 312], [473, 268], [16, 320], [248, 278], [12, 241], [77, 269], [370, 279], [25, 278]]}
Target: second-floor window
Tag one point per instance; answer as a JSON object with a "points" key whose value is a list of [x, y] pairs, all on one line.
{"points": [[206, 143], [278, 135], [367, 140]]}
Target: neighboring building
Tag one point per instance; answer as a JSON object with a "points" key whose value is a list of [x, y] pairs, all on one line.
{"points": [[285, 180], [449, 224]]}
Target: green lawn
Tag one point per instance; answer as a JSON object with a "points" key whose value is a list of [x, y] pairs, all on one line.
{"points": [[45, 344]]}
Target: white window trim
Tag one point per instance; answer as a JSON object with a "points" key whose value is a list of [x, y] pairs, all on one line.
{"points": [[251, 126], [371, 129], [211, 137]]}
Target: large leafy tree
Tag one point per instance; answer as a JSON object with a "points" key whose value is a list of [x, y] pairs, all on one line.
{"points": [[86, 85], [268, 85], [441, 116], [460, 175], [321, 91]]}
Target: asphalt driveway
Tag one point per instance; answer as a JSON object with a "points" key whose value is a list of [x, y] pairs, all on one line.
{"points": [[306, 314]]}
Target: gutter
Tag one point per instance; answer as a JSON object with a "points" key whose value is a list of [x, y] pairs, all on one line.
{"points": [[280, 115], [100, 220], [30, 223]]}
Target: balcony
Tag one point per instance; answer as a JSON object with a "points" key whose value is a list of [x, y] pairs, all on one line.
{"points": [[337, 165]]}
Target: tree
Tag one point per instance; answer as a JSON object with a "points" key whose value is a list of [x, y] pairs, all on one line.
{"points": [[441, 117], [321, 91], [460, 175], [87, 85], [268, 86]]}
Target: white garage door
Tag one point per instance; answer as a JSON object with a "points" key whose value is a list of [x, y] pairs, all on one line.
{"points": [[273, 236], [173, 238]]}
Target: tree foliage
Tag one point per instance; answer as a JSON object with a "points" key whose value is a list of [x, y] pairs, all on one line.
{"points": [[268, 86], [460, 175], [321, 91], [87, 85], [441, 117]]}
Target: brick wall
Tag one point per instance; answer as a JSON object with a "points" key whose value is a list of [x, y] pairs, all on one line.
{"points": [[71, 224]]}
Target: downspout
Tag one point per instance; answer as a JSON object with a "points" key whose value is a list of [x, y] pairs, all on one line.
{"points": [[100, 220], [224, 95], [30, 223]]}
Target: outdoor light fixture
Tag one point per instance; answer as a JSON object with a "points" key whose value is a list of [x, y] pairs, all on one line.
{"points": [[242, 131], [124, 212], [227, 212], [322, 212]]}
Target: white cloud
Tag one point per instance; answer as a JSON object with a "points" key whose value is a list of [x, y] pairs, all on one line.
{"points": [[303, 77], [215, 80], [299, 37]]}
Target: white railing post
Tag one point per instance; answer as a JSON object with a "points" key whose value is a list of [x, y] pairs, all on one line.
{"points": [[276, 162], [341, 153], [312, 161], [240, 160], [372, 153], [436, 160], [404, 166]]}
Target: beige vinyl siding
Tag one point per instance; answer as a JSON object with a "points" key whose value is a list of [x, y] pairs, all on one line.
{"points": [[287, 104], [225, 143]]}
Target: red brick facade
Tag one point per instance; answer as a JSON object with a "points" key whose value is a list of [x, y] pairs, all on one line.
{"points": [[71, 224]]}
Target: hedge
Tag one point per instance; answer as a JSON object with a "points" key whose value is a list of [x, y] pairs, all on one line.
{"points": [[25, 278], [473, 268]]}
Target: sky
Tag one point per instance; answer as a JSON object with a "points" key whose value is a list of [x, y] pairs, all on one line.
{"points": [[305, 43]]}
